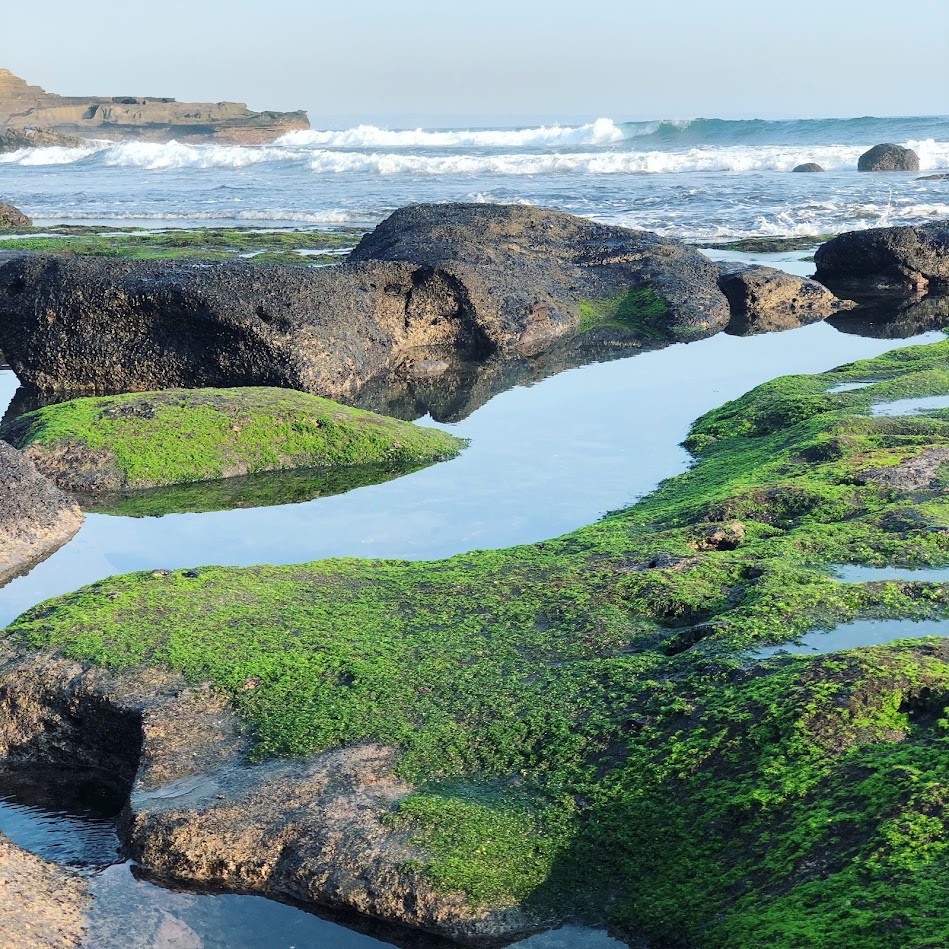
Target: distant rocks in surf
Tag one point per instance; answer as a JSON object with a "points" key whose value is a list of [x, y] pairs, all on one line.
{"points": [[888, 157], [11, 217], [14, 139], [808, 166], [914, 258]]}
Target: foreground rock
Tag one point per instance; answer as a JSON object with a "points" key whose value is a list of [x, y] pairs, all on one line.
{"points": [[888, 157], [886, 258], [133, 442], [579, 728], [466, 281], [765, 300], [23, 106], [36, 518], [42, 906], [535, 275], [11, 217]]}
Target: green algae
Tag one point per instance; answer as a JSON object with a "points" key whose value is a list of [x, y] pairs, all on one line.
{"points": [[299, 247], [579, 717], [638, 310], [143, 440]]}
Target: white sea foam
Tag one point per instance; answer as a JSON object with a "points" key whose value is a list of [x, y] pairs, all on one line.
{"points": [[600, 132], [52, 155], [264, 215]]}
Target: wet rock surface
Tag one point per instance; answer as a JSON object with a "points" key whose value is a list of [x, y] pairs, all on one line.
{"points": [[42, 906], [35, 517], [888, 157], [808, 166], [765, 300], [909, 258]]}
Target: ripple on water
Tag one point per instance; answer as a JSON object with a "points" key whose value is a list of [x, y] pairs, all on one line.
{"points": [[914, 406]]}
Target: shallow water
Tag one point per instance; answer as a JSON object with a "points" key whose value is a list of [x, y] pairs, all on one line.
{"points": [[543, 460], [868, 632], [914, 406], [848, 387], [854, 573]]}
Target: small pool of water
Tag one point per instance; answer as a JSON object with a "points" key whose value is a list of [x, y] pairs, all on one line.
{"points": [[911, 406], [875, 632], [849, 387], [853, 573]]}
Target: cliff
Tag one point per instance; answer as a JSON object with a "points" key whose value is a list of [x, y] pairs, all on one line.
{"points": [[23, 106]]}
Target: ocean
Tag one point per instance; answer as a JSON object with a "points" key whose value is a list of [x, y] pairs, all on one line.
{"points": [[702, 179]]}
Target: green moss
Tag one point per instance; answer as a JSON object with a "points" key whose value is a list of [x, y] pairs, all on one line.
{"points": [[272, 246], [580, 717], [638, 310], [179, 436]]}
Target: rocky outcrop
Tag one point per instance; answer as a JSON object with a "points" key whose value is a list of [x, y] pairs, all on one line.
{"points": [[888, 157], [42, 906], [551, 268], [469, 281], [36, 518], [13, 140], [765, 300], [11, 217], [24, 107], [311, 829], [808, 166], [886, 258]]}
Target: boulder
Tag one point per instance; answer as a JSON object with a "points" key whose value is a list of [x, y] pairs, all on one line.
{"points": [[809, 166], [133, 442], [465, 281], [533, 275], [888, 157], [36, 518], [886, 258], [12, 140], [13, 217], [765, 300]]}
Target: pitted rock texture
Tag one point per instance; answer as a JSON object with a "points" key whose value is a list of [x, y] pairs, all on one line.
{"points": [[42, 906], [13, 217], [765, 300], [36, 517], [882, 258], [888, 157]]}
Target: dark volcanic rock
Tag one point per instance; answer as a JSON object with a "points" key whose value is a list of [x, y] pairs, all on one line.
{"points": [[888, 157], [765, 300], [472, 281], [13, 217], [110, 326], [529, 273], [808, 166], [943, 176], [885, 258], [894, 316], [12, 140], [35, 517]]}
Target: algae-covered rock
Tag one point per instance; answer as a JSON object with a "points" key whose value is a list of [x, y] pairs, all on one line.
{"points": [[36, 518], [578, 728], [138, 441]]}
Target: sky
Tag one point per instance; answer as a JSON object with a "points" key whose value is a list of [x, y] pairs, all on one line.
{"points": [[404, 63]]}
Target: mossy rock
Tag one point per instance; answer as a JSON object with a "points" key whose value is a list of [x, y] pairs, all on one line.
{"points": [[179, 436], [580, 719]]}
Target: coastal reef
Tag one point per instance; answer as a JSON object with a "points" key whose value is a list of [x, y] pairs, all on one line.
{"points": [[576, 729], [30, 110]]}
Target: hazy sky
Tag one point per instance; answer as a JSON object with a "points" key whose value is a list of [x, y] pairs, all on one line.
{"points": [[407, 62]]}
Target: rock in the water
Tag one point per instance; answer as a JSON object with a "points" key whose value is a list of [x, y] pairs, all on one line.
{"points": [[12, 140], [35, 517], [533, 275], [13, 217], [132, 442], [942, 176], [809, 166], [886, 258], [765, 300], [432, 282], [888, 157], [42, 906]]}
